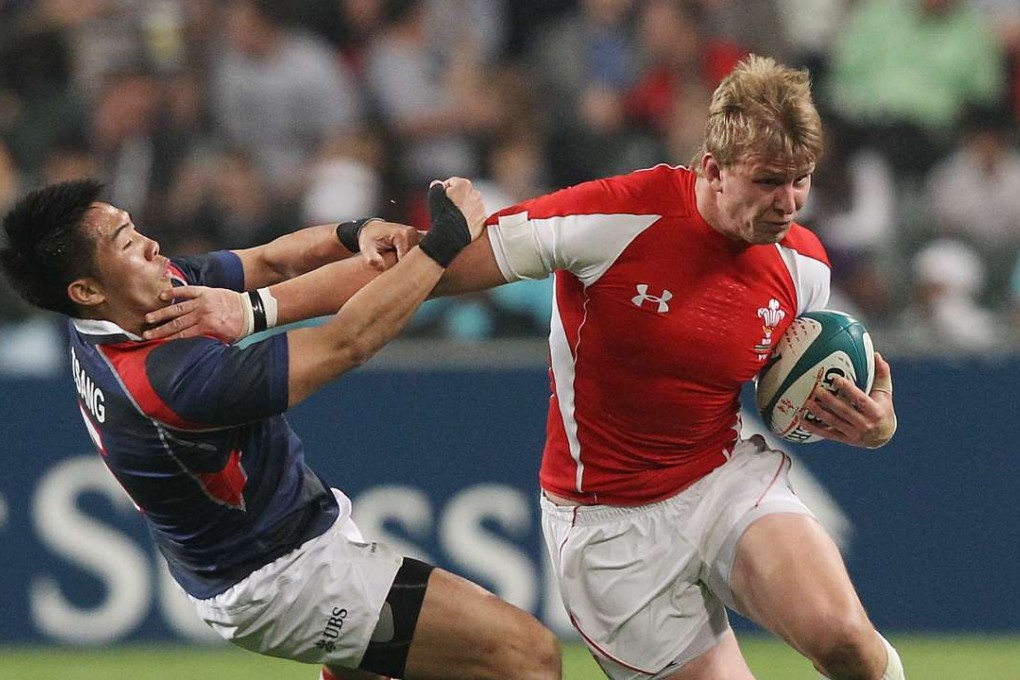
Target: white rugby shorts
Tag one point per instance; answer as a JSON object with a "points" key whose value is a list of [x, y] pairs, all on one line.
{"points": [[317, 604], [646, 586]]}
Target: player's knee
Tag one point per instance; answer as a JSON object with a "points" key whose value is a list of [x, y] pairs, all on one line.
{"points": [[546, 655], [844, 646], [536, 652]]}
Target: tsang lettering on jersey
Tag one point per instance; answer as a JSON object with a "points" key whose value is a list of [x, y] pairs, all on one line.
{"points": [[90, 395]]}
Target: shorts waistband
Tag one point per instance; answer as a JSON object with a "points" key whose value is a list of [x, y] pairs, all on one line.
{"points": [[595, 513]]}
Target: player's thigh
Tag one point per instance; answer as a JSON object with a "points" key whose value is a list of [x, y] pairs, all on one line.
{"points": [[789, 576], [464, 631], [631, 579]]}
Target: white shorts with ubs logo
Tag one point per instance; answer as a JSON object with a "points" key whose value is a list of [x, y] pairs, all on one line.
{"points": [[646, 586], [317, 604]]}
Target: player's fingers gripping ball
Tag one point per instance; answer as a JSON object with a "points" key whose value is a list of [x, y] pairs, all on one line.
{"points": [[449, 233], [817, 348]]}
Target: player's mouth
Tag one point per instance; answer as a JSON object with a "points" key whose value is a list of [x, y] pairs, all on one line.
{"points": [[775, 228]]}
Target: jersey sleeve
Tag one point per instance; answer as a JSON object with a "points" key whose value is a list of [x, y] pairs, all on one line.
{"points": [[220, 269], [581, 229], [809, 266], [201, 383]]}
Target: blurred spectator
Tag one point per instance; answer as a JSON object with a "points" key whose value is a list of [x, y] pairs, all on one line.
{"points": [[349, 25], [758, 26], [584, 63], [945, 313], [1003, 16], [110, 36], [811, 28], [974, 194], [278, 93], [680, 69], [345, 181], [360, 22], [475, 27], [68, 160], [852, 208], [904, 69], [593, 46], [30, 342], [38, 101], [433, 107], [132, 138], [222, 200]]}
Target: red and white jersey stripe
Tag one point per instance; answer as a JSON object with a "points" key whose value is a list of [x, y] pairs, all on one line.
{"points": [[657, 322]]}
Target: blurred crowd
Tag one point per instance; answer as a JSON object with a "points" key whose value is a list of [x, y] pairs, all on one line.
{"points": [[223, 123]]}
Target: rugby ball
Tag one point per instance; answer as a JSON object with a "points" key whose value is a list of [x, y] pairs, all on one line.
{"points": [[816, 348]]}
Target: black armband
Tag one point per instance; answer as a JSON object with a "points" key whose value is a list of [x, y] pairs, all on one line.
{"points": [[258, 310], [449, 233], [348, 232]]}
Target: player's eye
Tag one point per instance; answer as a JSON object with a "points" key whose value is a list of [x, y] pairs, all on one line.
{"points": [[127, 244]]}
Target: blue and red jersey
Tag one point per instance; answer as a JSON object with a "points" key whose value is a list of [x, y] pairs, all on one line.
{"points": [[194, 431]]}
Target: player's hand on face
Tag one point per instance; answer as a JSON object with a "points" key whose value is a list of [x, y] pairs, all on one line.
{"points": [[466, 197], [197, 311], [380, 237], [851, 416]]}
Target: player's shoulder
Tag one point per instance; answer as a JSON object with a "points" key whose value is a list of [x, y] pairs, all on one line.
{"points": [[660, 183], [805, 242], [650, 190]]}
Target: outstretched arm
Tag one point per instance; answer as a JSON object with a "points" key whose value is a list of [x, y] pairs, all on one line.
{"points": [[224, 314], [474, 269], [216, 312], [377, 312], [308, 249]]}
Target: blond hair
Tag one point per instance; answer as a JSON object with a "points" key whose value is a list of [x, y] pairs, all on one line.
{"points": [[763, 111]]}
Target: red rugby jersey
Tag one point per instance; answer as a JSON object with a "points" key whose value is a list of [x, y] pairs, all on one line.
{"points": [[657, 322]]}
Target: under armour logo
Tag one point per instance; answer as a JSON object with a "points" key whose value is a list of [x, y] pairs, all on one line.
{"points": [[642, 296]]}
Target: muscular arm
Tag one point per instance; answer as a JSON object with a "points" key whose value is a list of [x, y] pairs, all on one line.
{"points": [[219, 313], [323, 291], [377, 312], [373, 316], [474, 269], [290, 255]]}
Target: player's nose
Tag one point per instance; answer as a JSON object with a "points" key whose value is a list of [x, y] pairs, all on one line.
{"points": [[786, 199], [151, 248]]}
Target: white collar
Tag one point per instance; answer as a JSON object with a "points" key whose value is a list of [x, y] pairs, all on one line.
{"points": [[102, 327]]}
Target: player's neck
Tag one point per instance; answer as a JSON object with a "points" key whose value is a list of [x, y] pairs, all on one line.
{"points": [[705, 201]]}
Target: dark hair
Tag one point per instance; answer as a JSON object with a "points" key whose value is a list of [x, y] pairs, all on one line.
{"points": [[46, 247]]}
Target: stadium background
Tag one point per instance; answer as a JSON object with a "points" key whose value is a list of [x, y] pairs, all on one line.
{"points": [[132, 91]]}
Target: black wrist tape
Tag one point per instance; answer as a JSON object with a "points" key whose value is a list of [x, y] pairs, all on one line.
{"points": [[258, 310], [449, 233], [348, 232]]}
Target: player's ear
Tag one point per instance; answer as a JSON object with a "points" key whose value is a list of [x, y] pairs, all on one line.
{"points": [[711, 171], [86, 292]]}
